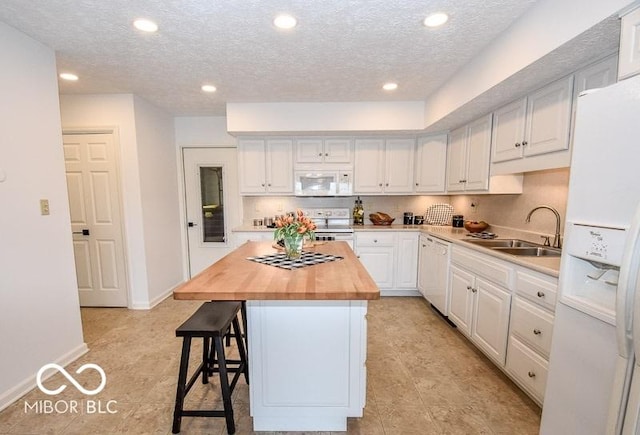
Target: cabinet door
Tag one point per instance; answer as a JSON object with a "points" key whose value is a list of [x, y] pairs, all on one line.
{"points": [[399, 166], [424, 252], [478, 154], [457, 160], [251, 167], [490, 327], [461, 303], [379, 263], [309, 151], [629, 63], [407, 261], [431, 162], [338, 150], [508, 131], [280, 166], [549, 118], [594, 76], [369, 166]]}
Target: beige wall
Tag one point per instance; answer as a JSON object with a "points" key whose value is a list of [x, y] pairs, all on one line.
{"points": [[542, 187]]}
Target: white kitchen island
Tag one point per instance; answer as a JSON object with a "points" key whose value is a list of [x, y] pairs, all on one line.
{"points": [[307, 334]]}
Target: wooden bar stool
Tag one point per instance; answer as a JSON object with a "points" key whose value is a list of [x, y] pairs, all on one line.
{"points": [[211, 322]]}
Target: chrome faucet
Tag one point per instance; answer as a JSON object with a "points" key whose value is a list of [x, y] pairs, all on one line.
{"points": [[556, 238]]}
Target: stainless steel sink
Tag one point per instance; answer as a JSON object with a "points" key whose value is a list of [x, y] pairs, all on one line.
{"points": [[503, 243], [541, 251]]}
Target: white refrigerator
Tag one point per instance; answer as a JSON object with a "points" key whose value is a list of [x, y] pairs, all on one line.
{"points": [[593, 384]]}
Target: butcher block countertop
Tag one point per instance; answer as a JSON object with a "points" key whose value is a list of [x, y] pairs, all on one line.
{"points": [[235, 278]]}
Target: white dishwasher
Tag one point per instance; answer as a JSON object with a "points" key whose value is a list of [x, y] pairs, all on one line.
{"points": [[433, 272]]}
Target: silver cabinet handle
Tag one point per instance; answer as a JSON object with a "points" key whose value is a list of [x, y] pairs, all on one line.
{"points": [[540, 294], [537, 331], [468, 287], [380, 184], [326, 154], [269, 185], [517, 144], [375, 240], [417, 184], [531, 374], [320, 154], [474, 290], [424, 246], [524, 143]]}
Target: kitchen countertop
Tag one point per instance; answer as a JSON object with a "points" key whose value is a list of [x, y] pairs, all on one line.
{"points": [[236, 278], [547, 265]]}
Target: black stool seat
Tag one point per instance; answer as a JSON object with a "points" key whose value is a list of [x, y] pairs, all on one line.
{"points": [[212, 319], [212, 322]]}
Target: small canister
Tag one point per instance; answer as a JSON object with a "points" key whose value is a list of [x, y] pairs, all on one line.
{"points": [[457, 221], [257, 222], [408, 218]]}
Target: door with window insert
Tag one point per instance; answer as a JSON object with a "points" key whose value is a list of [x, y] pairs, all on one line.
{"points": [[212, 203]]}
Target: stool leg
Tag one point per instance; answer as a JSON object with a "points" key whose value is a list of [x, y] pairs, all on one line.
{"points": [[224, 384], [205, 359], [241, 350], [243, 310], [182, 383]]}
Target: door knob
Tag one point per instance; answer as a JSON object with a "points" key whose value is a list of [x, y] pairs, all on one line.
{"points": [[192, 224], [84, 232]]}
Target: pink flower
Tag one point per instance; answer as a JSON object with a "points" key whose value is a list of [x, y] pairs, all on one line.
{"points": [[302, 229]]}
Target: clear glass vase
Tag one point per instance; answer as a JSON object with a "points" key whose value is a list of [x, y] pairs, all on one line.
{"points": [[293, 246]]}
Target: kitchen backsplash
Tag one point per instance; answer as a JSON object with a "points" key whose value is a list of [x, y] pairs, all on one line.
{"points": [[541, 187], [258, 207]]}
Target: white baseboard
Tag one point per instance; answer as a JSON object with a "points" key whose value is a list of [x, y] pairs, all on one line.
{"points": [[155, 301], [22, 388]]}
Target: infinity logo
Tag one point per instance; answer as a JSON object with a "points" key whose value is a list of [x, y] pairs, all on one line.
{"points": [[75, 383]]}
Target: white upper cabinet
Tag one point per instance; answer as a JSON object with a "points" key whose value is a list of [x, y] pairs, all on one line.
{"points": [[508, 131], [399, 165], [478, 154], [431, 163], [469, 156], [318, 150], [629, 61], [548, 119], [383, 166], [534, 125], [265, 166], [597, 75]]}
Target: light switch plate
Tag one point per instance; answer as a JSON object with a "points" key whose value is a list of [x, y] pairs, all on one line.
{"points": [[44, 207]]}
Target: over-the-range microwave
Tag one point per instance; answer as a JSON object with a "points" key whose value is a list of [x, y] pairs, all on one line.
{"points": [[324, 183]]}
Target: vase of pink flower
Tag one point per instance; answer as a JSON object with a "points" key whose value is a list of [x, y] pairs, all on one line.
{"points": [[293, 229]]}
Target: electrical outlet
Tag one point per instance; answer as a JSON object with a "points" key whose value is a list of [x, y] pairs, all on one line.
{"points": [[44, 207], [279, 208], [474, 206]]}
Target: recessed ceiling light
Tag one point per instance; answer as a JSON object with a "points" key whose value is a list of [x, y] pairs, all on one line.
{"points": [[208, 88], [390, 86], [285, 21], [145, 25], [435, 20], [69, 76]]}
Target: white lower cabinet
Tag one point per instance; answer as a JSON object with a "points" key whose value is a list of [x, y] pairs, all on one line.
{"points": [[391, 258], [480, 310], [507, 311], [242, 237], [530, 332]]}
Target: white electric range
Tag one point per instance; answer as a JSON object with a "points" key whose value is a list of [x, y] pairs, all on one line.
{"points": [[332, 223]]}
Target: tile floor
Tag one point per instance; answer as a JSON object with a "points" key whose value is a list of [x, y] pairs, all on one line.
{"points": [[423, 378]]}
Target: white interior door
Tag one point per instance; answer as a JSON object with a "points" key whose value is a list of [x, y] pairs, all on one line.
{"points": [[212, 203], [94, 202]]}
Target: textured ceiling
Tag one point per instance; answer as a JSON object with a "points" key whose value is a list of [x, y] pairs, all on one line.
{"points": [[341, 50]]}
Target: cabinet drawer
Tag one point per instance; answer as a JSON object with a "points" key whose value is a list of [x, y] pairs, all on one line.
{"points": [[532, 325], [492, 270], [381, 238], [543, 292], [529, 368]]}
